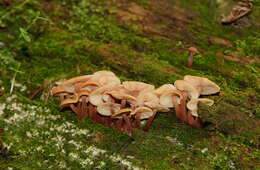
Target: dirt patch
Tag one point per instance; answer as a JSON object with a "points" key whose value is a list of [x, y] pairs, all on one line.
{"points": [[235, 58], [163, 19]]}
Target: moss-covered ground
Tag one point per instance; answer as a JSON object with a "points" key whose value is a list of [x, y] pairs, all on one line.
{"points": [[44, 41]]}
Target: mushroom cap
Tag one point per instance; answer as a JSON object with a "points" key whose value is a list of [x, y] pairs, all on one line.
{"points": [[145, 97], [74, 80], [193, 50], [62, 89], [96, 97], [192, 105], [119, 113], [145, 112], [166, 87], [72, 99], [88, 85], [134, 88], [188, 87], [203, 85], [108, 109], [170, 97], [121, 96], [104, 73]]}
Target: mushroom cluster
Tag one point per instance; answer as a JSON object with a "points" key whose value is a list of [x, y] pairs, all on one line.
{"points": [[131, 104]]}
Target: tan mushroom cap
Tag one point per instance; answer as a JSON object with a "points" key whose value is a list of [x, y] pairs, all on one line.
{"points": [[188, 87], [203, 85], [145, 97], [104, 73], [96, 97], [108, 109], [88, 85], [134, 88], [70, 100], [192, 105], [145, 112], [171, 98], [74, 80], [62, 89], [166, 87], [121, 112], [121, 96]]}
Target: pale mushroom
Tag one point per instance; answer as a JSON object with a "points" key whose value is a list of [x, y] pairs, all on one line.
{"points": [[192, 105], [96, 97], [187, 87], [171, 98], [203, 85], [74, 80], [134, 88], [108, 109], [120, 95], [119, 113], [166, 87], [145, 112], [62, 89]]}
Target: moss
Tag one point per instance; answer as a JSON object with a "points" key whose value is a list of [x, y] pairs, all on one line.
{"points": [[56, 40]]}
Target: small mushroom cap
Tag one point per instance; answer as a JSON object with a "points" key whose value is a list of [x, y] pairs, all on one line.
{"points": [[145, 112], [145, 97], [62, 89], [104, 73], [96, 97], [105, 78], [88, 85], [134, 88], [121, 112], [188, 87], [70, 100], [203, 85], [192, 105], [166, 87], [121, 96], [193, 50], [170, 97], [108, 109], [75, 80]]}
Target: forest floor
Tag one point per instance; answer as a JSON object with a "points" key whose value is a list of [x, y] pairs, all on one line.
{"points": [[146, 40]]}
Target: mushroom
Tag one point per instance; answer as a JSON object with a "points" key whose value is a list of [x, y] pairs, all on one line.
{"points": [[192, 52], [62, 89], [187, 87], [96, 97], [203, 85], [166, 87], [134, 88], [192, 105], [171, 98], [119, 114], [145, 112], [108, 109], [74, 80]]}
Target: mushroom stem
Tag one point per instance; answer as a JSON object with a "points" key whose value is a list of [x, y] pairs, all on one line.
{"points": [[190, 60], [138, 120], [123, 103], [149, 121], [181, 108], [74, 108], [194, 121], [92, 113], [84, 112], [128, 127]]}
